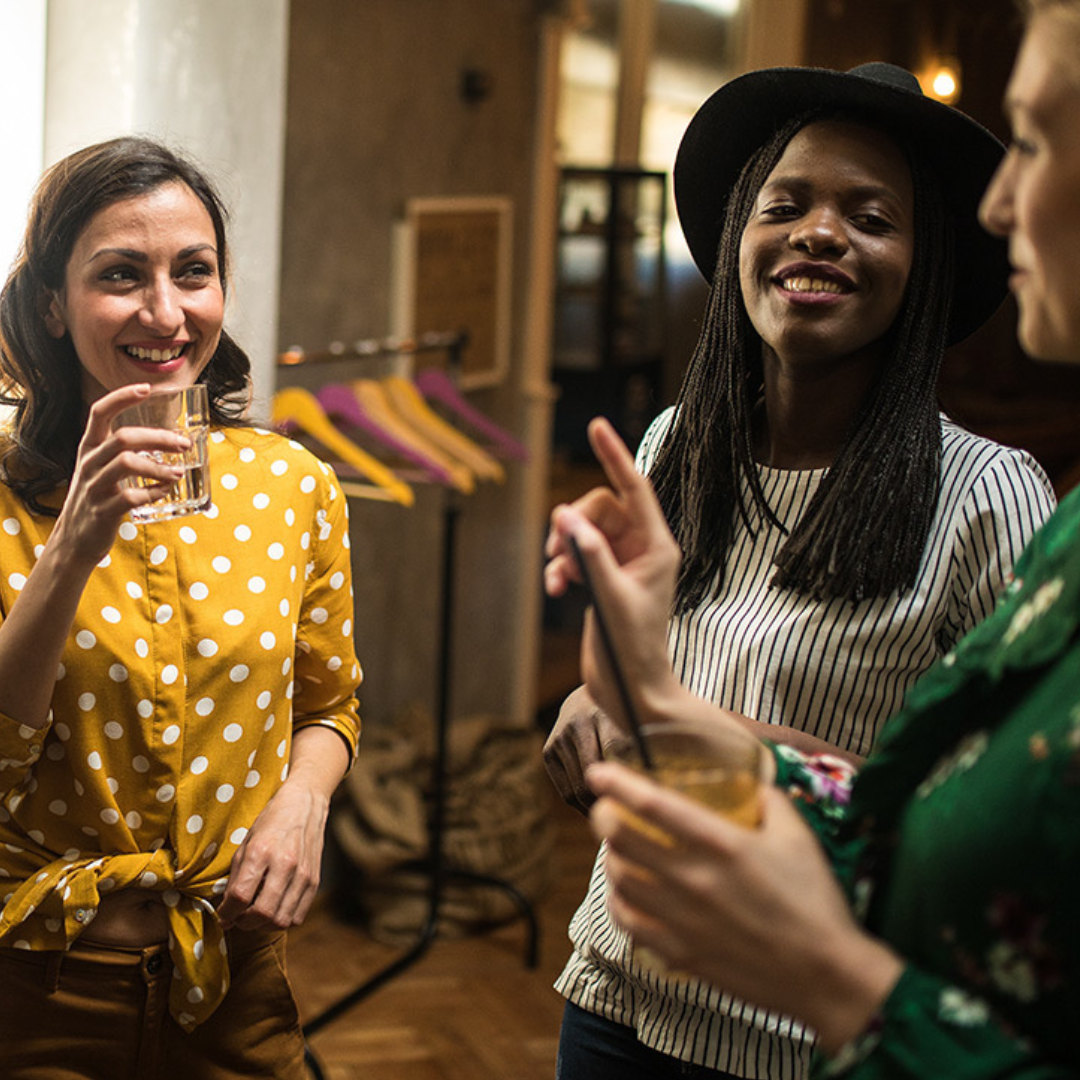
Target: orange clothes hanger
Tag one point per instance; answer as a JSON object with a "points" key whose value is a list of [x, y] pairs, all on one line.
{"points": [[294, 408], [410, 405], [371, 398]]}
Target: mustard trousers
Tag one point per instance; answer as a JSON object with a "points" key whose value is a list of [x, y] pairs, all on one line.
{"points": [[98, 1013]]}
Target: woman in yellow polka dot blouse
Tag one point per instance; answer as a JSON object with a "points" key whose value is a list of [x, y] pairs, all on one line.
{"points": [[176, 697]]}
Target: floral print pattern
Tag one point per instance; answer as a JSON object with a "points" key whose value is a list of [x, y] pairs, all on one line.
{"points": [[1021, 964], [823, 780], [959, 846], [967, 825], [1027, 613], [964, 757], [955, 1006]]}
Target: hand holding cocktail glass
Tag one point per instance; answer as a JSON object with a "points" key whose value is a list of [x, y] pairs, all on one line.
{"points": [[715, 763]]}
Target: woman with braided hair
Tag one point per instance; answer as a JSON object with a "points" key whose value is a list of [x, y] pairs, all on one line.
{"points": [[838, 533], [923, 921]]}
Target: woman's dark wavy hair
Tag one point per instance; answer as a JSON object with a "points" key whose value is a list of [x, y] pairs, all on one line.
{"points": [[865, 530], [40, 376]]}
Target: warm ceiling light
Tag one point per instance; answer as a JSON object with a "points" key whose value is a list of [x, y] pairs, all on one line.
{"points": [[943, 81], [716, 7]]}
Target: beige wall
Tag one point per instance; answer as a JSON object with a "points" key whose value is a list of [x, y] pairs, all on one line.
{"points": [[375, 117]]}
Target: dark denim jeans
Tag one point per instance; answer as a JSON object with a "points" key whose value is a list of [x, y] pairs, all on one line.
{"points": [[592, 1048]]}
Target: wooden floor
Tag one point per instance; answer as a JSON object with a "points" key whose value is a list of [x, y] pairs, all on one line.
{"points": [[469, 1009]]}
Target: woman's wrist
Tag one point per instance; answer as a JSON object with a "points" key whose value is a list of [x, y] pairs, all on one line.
{"points": [[664, 698], [69, 557], [850, 993]]}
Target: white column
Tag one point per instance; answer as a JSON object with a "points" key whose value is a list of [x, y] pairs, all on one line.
{"points": [[206, 77], [22, 83]]}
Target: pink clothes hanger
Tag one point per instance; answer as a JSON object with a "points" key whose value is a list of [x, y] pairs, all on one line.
{"points": [[407, 401], [434, 383], [375, 402], [343, 407]]}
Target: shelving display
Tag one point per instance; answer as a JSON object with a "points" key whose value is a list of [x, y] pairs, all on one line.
{"points": [[608, 335]]}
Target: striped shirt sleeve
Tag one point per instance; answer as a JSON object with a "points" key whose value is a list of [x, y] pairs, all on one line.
{"points": [[1004, 507]]}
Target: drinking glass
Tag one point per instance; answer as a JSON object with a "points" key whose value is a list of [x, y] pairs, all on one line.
{"points": [[717, 764], [185, 411]]}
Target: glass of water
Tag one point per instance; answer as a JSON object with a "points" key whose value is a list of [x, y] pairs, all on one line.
{"points": [[185, 411]]}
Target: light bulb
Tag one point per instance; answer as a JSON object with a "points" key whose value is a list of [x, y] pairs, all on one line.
{"points": [[944, 81]]}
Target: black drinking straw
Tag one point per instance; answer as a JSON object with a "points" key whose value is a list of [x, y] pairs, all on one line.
{"points": [[616, 668]]}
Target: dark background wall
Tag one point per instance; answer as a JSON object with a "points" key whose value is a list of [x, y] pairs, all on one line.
{"points": [[987, 382]]}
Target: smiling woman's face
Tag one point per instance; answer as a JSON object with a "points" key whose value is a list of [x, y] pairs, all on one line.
{"points": [[827, 251], [1034, 198], [142, 299]]}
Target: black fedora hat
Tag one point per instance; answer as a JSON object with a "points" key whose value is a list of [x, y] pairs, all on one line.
{"points": [[744, 113]]}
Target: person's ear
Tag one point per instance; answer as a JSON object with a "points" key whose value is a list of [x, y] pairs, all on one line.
{"points": [[53, 313]]}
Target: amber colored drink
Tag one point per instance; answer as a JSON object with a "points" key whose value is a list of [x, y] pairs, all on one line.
{"points": [[732, 792], [717, 765]]}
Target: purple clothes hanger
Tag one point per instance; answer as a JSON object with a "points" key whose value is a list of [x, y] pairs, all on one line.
{"points": [[341, 405], [435, 383]]}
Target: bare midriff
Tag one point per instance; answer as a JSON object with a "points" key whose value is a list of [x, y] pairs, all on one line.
{"points": [[132, 918]]}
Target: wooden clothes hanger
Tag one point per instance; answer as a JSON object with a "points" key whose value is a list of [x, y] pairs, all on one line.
{"points": [[410, 405], [370, 400], [293, 407], [346, 410], [434, 383]]}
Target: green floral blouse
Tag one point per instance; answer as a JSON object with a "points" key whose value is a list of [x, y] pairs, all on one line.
{"points": [[961, 843]]}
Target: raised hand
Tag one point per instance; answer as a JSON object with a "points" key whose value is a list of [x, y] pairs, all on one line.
{"points": [[633, 560], [34, 631]]}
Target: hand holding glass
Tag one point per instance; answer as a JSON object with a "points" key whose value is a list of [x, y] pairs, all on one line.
{"points": [[187, 412], [717, 764]]}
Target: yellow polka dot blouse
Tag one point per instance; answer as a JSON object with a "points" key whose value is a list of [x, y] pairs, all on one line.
{"points": [[200, 645]]}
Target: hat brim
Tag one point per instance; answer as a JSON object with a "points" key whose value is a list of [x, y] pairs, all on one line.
{"points": [[744, 113]]}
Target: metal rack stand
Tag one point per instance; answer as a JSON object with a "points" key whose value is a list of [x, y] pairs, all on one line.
{"points": [[434, 864]]}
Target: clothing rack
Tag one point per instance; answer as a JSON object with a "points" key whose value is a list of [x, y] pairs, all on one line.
{"points": [[434, 863]]}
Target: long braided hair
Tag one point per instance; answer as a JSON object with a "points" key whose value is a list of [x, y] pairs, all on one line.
{"points": [[865, 530], [40, 376]]}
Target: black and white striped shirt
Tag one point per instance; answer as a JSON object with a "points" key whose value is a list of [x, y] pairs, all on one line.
{"points": [[831, 668]]}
